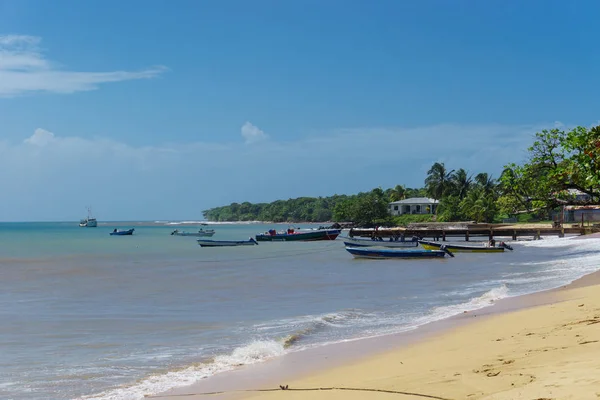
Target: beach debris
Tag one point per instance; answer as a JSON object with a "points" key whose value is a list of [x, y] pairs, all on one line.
{"points": [[589, 341], [283, 387], [492, 374]]}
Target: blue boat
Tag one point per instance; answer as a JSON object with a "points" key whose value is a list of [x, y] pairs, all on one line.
{"points": [[371, 252], [122, 233]]}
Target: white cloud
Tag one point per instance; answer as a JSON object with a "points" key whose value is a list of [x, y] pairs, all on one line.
{"points": [[252, 133], [40, 137], [24, 68], [48, 176]]}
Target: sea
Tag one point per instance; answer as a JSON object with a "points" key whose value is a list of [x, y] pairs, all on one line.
{"points": [[86, 315]]}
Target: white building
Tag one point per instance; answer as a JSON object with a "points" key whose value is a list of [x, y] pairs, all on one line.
{"points": [[414, 205]]}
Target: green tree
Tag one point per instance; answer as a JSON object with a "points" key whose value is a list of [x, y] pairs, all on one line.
{"points": [[370, 209], [485, 182], [449, 209], [461, 183], [479, 206], [397, 193], [558, 161], [438, 180]]}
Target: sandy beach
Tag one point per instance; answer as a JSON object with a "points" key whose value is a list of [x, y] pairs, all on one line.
{"points": [[540, 352], [545, 352]]}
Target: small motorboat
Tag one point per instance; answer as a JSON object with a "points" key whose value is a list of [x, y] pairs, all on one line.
{"points": [[371, 252], [226, 243], [117, 232], [485, 247], [353, 242], [201, 232]]}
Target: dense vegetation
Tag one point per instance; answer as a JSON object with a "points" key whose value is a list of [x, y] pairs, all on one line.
{"points": [[362, 208], [557, 161]]}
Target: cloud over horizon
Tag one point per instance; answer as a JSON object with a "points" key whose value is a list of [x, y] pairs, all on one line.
{"points": [[252, 133], [24, 68], [51, 177]]}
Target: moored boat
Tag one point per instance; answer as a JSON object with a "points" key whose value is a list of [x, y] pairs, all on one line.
{"points": [[485, 247], [292, 235], [201, 233], [354, 242], [226, 243], [117, 232], [371, 252], [89, 222]]}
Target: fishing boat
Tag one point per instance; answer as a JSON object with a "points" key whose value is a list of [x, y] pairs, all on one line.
{"points": [[226, 243], [371, 252], [117, 232], [201, 232], [485, 247], [89, 222], [353, 242], [292, 235]]}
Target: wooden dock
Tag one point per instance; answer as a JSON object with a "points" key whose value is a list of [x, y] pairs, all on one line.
{"points": [[467, 231]]}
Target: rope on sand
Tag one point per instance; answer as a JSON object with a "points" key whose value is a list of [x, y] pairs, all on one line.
{"points": [[281, 387]]}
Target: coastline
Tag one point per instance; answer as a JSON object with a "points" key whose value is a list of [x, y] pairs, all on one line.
{"points": [[363, 362]]}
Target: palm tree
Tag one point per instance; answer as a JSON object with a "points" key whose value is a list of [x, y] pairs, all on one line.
{"points": [[487, 183], [473, 205], [438, 180], [461, 182], [398, 193]]}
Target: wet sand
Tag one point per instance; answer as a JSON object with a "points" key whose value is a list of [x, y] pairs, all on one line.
{"points": [[540, 346]]}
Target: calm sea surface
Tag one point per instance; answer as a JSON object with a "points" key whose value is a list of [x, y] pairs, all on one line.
{"points": [[86, 315]]}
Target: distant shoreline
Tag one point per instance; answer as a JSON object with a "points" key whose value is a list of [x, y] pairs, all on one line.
{"points": [[173, 223]]}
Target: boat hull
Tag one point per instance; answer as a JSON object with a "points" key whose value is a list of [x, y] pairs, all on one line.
{"points": [[351, 242], [88, 223], [329, 234], [225, 243], [123, 233], [369, 252], [195, 234], [458, 248]]}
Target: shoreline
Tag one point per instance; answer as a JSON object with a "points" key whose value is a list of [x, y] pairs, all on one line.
{"points": [[299, 366]]}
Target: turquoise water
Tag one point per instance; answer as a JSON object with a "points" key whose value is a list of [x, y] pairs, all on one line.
{"points": [[94, 316]]}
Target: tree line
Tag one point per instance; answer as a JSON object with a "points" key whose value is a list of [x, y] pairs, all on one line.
{"points": [[557, 162]]}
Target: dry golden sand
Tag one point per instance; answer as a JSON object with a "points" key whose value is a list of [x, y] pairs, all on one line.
{"points": [[539, 353], [545, 352]]}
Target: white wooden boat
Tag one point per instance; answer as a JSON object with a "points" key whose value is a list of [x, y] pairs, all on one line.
{"points": [[201, 233], [355, 242], [226, 243]]}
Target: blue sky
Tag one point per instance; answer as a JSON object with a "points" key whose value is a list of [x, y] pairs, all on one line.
{"points": [[160, 109]]}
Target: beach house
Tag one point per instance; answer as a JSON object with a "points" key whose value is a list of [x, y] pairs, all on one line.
{"points": [[578, 213], [414, 205]]}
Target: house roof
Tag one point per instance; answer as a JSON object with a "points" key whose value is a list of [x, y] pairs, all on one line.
{"points": [[588, 207], [416, 200]]}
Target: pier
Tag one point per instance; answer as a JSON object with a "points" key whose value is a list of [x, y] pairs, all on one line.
{"points": [[441, 231]]}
